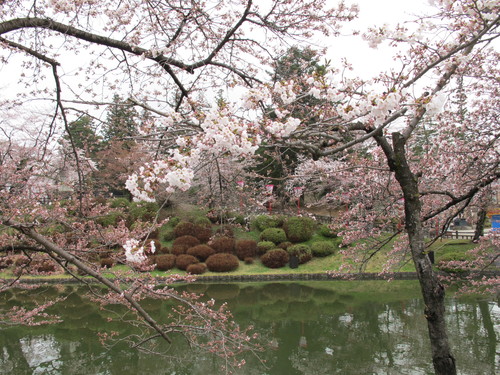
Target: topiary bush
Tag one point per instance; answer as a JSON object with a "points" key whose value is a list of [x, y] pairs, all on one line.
{"points": [[166, 233], [246, 249], [188, 241], [299, 229], [263, 222], [275, 258], [222, 262], [173, 221], [203, 232], [301, 251], [164, 250], [326, 231], [197, 268], [202, 252], [106, 262], [285, 245], [264, 246], [184, 228], [323, 248], [248, 260], [275, 235], [165, 262], [222, 244], [184, 260]]}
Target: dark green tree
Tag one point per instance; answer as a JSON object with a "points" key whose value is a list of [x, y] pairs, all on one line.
{"points": [[275, 163], [84, 136], [121, 121]]}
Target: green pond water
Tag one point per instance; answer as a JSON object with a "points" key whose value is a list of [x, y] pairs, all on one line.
{"points": [[315, 328]]}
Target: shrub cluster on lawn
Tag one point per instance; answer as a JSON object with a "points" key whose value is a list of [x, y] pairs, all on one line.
{"points": [[275, 258], [165, 262], [222, 244], [264, 246], [183, 243], [323, 248], [275, 235], [246, 249], [301, 251], [299, 229], [184, 260], [263, 222], [202, 252], [222, 262]]}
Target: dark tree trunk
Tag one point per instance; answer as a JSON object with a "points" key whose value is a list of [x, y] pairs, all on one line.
{"points": [[432, 290], [481, 218]]}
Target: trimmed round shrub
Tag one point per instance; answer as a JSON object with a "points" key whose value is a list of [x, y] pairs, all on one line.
{"points": [[246, 249], [203, 232], [202, 252], [285, 245], [222, 262], [326, 231], [165, 262], [299, 229], [275, 258], [184, 260], [301, 251], [248, 260], [263, 222], [222, 244], [106, 262], [197, 268], [184, 228], [323, 248], [166, 233], [264, 246], [164, 250], [173, 221], [189, 241], [275, 235], [201, 220]]}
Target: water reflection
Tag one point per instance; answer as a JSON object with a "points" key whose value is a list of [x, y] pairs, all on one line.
{"points": [[308, 328]]}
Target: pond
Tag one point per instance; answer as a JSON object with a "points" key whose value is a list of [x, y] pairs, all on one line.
{"points": [[335, 327]]}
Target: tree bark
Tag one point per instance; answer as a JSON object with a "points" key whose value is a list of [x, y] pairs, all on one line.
{"points": [[432, 290], [479, 231]]}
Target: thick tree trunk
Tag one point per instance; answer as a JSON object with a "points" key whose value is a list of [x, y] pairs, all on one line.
{"points": [[481, 218], [432, 290]]}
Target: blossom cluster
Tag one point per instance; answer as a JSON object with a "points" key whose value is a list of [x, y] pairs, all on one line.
{"points": [[137, 253]]}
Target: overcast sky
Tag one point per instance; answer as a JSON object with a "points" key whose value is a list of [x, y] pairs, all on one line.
{"points": [[366, 61]]}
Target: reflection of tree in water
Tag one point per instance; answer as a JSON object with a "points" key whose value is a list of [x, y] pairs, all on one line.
{"points": [[346, 333]]}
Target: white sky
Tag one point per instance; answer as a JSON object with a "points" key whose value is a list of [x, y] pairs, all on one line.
{"points": [[366, 61]]}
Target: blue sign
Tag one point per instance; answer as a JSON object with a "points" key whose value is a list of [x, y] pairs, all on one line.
{"points": [[495, 223]]}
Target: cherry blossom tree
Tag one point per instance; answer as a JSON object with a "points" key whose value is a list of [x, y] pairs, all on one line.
{"points": [[163, 57], [424, 156]]}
